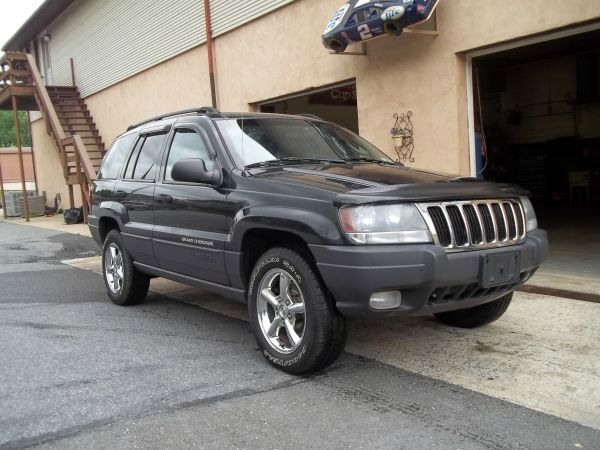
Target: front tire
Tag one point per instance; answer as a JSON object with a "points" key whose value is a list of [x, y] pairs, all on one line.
{"points": [[338, 45], [478, 315], [292, 314], [125, 285]]}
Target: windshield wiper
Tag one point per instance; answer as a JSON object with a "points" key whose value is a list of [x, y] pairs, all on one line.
{"points": [[374, 160], [293, 160]]}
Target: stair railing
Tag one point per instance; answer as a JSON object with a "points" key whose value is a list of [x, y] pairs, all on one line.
{"points": [[85, 173]]}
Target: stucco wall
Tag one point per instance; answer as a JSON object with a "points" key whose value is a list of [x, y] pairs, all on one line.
{"points": [[281, 53], [48, 167]]}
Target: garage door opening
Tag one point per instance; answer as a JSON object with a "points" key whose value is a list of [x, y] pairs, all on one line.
{"points": [[336, 104], [537, 123]]}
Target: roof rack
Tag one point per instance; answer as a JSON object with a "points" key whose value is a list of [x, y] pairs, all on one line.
{"points": [[206, 110]]}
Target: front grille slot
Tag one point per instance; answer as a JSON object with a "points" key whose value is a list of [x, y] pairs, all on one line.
{"points": [[464, 225], [474, 225], [441, 225], [500, 224], [519, 218], [458, 225], [488, 223], [510, 217]]}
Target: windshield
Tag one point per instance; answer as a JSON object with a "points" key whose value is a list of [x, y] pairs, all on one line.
{"points": [[254, 141]]}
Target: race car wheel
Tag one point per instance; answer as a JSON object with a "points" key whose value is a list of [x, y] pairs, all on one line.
{"points": [[337, 45], [392, 28]]}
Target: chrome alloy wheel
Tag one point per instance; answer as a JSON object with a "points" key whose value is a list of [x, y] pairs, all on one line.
{"points": [[281, 313], [113, 263]]}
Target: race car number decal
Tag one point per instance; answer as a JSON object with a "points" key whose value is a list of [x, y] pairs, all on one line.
{"points": [[364, 31]]}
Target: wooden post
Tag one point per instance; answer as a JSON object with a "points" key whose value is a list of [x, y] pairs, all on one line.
{"points": [[2, 190], [20, 149], [71, 196]]}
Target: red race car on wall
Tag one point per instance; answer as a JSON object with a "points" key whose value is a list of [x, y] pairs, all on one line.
{"points": [[360, 20]]}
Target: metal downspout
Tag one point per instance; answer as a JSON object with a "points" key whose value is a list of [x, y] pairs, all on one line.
{"points": [[209, 44]]}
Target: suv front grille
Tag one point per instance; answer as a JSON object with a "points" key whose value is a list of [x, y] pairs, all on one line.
{"points": [[476, 224]]}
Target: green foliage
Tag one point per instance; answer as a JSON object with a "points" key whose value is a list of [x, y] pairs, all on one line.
{"points": [[7, 129]]}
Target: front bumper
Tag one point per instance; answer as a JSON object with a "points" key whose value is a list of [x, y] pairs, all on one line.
{"points": [[430, 279]]}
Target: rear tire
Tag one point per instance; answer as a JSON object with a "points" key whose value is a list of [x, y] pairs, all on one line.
{"points": [[476, 316], [300, 331], [125, 285], [393, 28]]}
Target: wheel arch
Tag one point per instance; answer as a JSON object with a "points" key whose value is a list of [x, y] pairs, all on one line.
{"points": [[105, 225]]}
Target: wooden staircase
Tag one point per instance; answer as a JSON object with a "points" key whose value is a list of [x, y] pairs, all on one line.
{"points": [[67, 119], [75, 118]]}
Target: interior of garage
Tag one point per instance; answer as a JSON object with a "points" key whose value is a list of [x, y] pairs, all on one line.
{"points": [[336, 104], [537, 112]]}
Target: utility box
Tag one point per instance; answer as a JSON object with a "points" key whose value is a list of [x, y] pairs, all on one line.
{"points": [[14, 203], [37, 206]]}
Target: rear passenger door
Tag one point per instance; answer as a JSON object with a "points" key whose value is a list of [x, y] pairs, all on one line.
{"points": [[191, 223], [135, 193]]}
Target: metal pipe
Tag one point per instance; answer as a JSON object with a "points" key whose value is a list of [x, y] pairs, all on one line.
{"points": [[209, 45], [20, 149]]}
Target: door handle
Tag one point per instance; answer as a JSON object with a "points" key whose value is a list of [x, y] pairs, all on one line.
{"points": [[120, 194], [164, 198]]}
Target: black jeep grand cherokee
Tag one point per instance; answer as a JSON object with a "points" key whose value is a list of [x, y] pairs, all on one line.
{"points": [[307, 223]]}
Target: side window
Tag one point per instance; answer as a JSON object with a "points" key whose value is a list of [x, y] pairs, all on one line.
{"points": [[373, 13], [187, 144], [353, 20], [113, 162], [144, 158]]}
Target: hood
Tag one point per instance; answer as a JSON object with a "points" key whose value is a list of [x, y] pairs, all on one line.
{"points": [[374, 183], [349, 176]]}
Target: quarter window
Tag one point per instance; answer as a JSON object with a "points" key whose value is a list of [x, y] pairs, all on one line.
{"points": [[187, 144], [113, 162]]}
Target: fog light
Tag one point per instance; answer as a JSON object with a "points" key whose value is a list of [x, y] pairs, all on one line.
{"points": [[385, 300]]}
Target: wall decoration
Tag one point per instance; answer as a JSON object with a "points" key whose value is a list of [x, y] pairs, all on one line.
{"points": [[402, 135], [362, 20]]}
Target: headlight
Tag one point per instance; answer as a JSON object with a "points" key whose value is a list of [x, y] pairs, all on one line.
{"points": [[384, 224], [530, 217]]}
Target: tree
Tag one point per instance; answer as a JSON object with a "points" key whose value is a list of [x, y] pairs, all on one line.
{"points": [[7, 129]]}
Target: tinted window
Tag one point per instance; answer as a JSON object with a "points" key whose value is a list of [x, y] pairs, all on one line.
{"points": [[144, 159], [187, 144], [113, 162]]}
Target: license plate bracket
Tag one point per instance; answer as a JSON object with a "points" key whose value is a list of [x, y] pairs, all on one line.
{"points": [[500, 268]]}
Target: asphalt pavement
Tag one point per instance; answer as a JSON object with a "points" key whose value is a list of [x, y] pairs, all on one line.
{"points": [[79, 372]]}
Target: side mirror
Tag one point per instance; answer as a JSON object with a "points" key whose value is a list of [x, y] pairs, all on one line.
{"points": [[194, 171]]}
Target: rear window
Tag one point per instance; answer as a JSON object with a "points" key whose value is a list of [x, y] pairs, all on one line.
{"points": [[114, 159]]}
